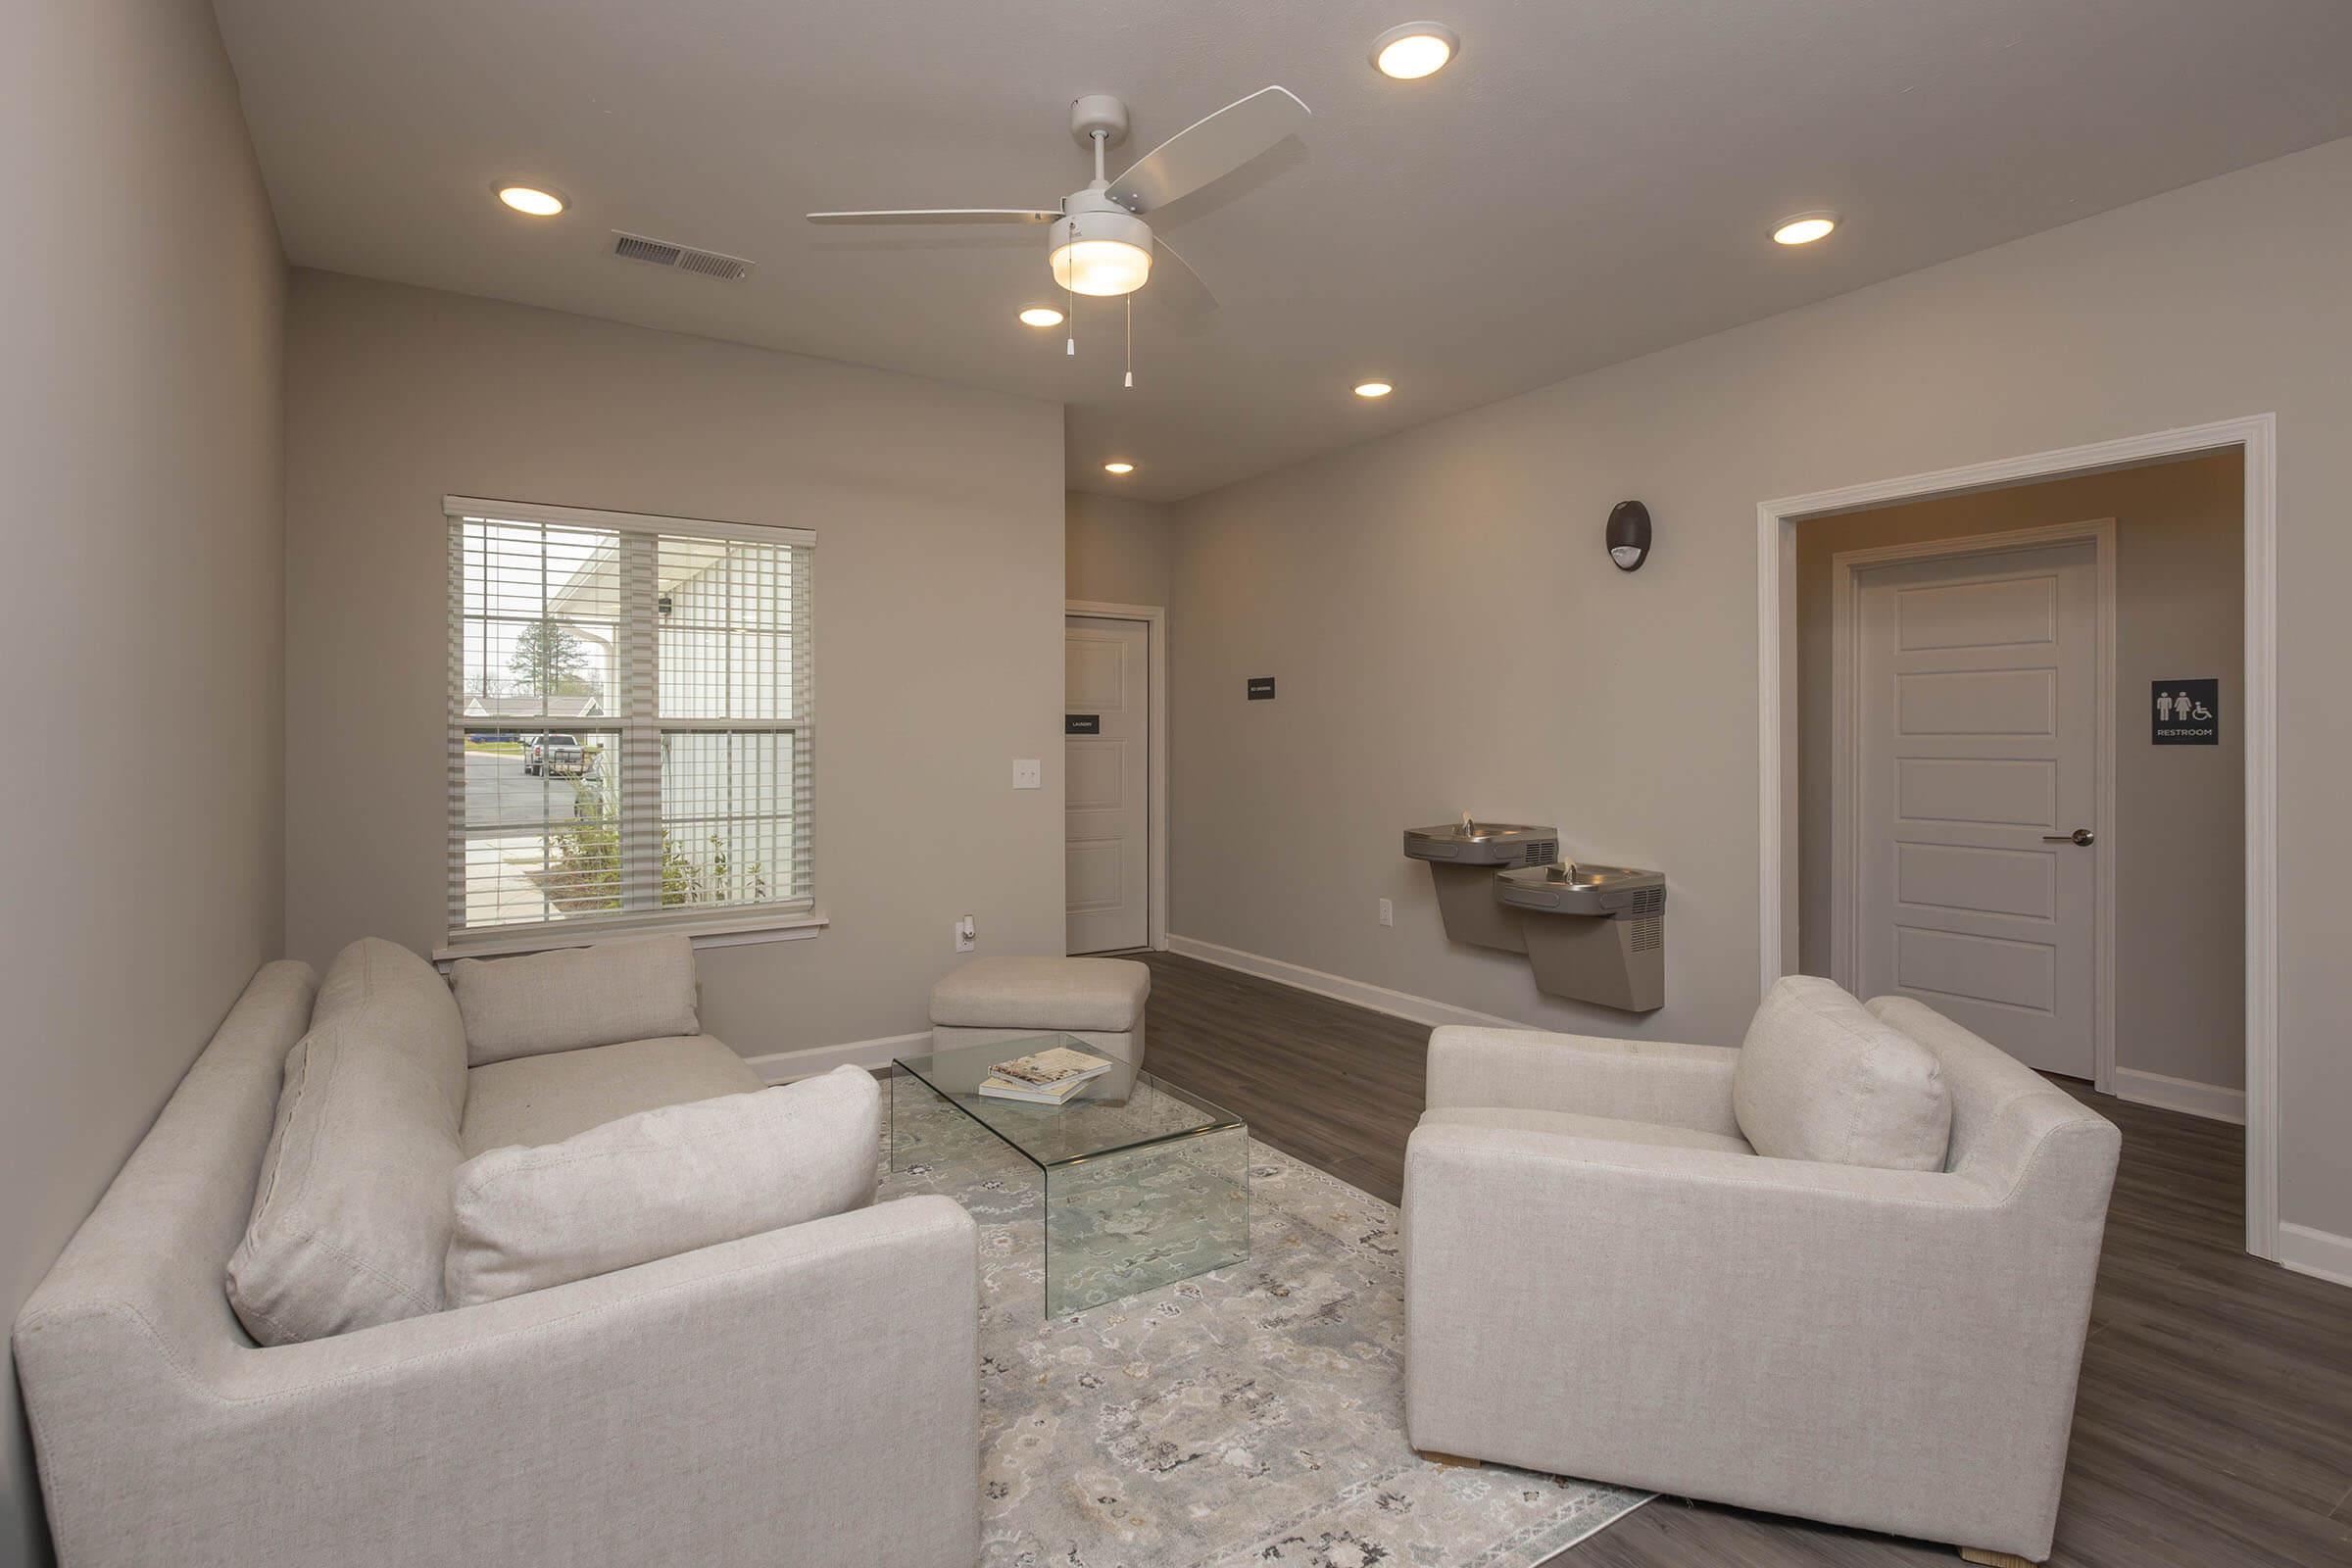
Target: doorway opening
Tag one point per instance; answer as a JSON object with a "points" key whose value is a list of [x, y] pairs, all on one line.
{"points": [[1992, 778], [1114, 772]]}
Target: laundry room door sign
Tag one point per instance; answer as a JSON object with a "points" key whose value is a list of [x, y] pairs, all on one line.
{"points": [[2184, 713]]}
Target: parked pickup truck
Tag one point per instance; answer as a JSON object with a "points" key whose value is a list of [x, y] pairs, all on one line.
{"points": [[556, 755]]}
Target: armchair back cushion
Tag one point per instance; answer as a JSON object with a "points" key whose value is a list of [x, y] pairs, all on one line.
{"points": [[640, 988], [350, 1221], [1822, 1079], [662, 1181]]}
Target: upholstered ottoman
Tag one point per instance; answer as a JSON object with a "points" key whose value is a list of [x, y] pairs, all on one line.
{"points": [[1100, 1001]]}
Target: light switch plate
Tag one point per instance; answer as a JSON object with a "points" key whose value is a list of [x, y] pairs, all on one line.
{"points": [[1028, 773]]}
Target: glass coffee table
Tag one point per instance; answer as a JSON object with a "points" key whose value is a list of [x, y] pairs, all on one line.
{"points": [[1144, 1183]]}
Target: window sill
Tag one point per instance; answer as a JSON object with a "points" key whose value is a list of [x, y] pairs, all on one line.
{"points": [[715, 933]]}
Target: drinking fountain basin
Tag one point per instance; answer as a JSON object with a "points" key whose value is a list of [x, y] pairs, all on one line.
{"points": [[1468, 843], [1463, 858], [1578, 889]]}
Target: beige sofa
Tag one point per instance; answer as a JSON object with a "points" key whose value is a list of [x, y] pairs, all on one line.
{"points": [[808, 1396], [1604, 1279]]}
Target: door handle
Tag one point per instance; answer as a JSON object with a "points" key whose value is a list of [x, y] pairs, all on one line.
{"points": [[2082, 835]]}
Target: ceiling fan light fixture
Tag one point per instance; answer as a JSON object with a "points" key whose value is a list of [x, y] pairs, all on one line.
{"points": [[1040, 315], [1803, 229], [1119, 467], [1414, 50], [531, 200], [1102, 253], [1103, 267]]}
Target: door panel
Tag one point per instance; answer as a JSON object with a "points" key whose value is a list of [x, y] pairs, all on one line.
{"points": [[1106, 774], [2005, 790], [1978, 701], [2021, 610], [1979, 736], [1958, 877]]}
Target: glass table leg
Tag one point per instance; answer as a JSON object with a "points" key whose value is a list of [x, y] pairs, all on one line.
{"points": [[902, 1083], [1121, 1223]]}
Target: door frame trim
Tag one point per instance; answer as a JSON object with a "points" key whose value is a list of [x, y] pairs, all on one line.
{"points": [[1155, 813], [2257, 436], [1846, 749]]}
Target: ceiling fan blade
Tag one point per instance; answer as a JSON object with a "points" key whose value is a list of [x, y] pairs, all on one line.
{"points": [[1209, 149], [1185, 289], [943, 215]]}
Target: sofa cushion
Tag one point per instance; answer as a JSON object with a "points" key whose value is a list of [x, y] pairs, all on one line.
{"points": [[545, 1099], [1822, 1079], [1042, 994], [633, 989], [662, 1181], [1574, 1124], [350, 1217]]}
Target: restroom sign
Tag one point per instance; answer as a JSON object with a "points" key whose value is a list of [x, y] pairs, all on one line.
{"points": [[2184, 713]]}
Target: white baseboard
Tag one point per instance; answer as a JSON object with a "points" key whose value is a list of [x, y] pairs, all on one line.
{"points": [[2318, 1254], [784, 1066], [1338, 987], [2210, 1101]]}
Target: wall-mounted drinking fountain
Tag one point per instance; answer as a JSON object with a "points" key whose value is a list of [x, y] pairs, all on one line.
{"points": [[1593, 933], [1463, 858]]}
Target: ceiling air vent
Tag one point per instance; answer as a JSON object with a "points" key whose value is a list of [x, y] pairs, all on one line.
{"points": [[683, 258]]}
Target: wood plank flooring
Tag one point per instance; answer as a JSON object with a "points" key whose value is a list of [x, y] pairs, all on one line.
{"points": [[2214, 1424]]}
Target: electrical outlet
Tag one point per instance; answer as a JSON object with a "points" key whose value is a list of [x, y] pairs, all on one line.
{"points": [[967, 935], [1028, 773], [1388, 913]]}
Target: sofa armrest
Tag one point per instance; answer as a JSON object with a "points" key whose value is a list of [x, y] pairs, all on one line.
{"points": [[806, 1395], [1891, 1349], [1631, 1080]]}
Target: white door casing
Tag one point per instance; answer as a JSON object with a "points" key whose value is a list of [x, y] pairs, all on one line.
{"points": [[1107, 779], [2256, 436], [1977, 683]]}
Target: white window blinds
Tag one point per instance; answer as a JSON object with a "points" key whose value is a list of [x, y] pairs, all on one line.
{"points": [[630, 720]]}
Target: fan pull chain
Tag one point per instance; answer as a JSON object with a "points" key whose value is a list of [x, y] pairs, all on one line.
{"points": [[1069, 299], [1130, 300]]}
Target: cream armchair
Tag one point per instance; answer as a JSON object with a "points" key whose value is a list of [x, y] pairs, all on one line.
{"points": [[1605, 1280]]}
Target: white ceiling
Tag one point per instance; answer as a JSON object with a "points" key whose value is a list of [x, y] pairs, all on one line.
{"points": [[1592, 179]]}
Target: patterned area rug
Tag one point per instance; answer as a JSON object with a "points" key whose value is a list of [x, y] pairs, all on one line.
{"points": [[1251, 1415]]}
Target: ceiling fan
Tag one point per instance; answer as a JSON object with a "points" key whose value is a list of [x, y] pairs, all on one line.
{"points": [[1100, 245]]}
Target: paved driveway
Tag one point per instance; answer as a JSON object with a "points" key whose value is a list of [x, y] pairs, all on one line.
{"points": [[497, 792]]}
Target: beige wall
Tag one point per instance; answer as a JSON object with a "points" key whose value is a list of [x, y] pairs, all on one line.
{"points": [[2181, 811], [1449, 635], [939, 583], [139, 439], [1116, 550]]}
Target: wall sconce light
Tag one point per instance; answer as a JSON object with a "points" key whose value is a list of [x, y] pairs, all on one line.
{"points": [[1628, 535]]}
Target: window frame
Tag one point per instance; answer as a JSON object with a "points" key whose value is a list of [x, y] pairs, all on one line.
{"points": [[639, 726]]}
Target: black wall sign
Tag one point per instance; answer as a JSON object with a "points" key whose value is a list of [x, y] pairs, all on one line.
{"points": [[1082, 724], [1261, 688], [2184, 713]]}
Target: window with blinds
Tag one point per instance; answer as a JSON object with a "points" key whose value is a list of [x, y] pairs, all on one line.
{"points": [[630, 721]]}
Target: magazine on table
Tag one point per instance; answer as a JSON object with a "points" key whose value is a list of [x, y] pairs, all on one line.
{"points": [[1045, 1077]]}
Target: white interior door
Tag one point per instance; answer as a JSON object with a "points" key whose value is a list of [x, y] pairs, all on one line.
{"points": [[1979, 735], [1106, 771]]}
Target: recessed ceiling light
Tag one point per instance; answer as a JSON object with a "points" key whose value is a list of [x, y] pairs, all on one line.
{"points": [[1415, 50], [1040, 315], [532, 200], [1373, 389], [1118, 467], [1804, 228]]}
